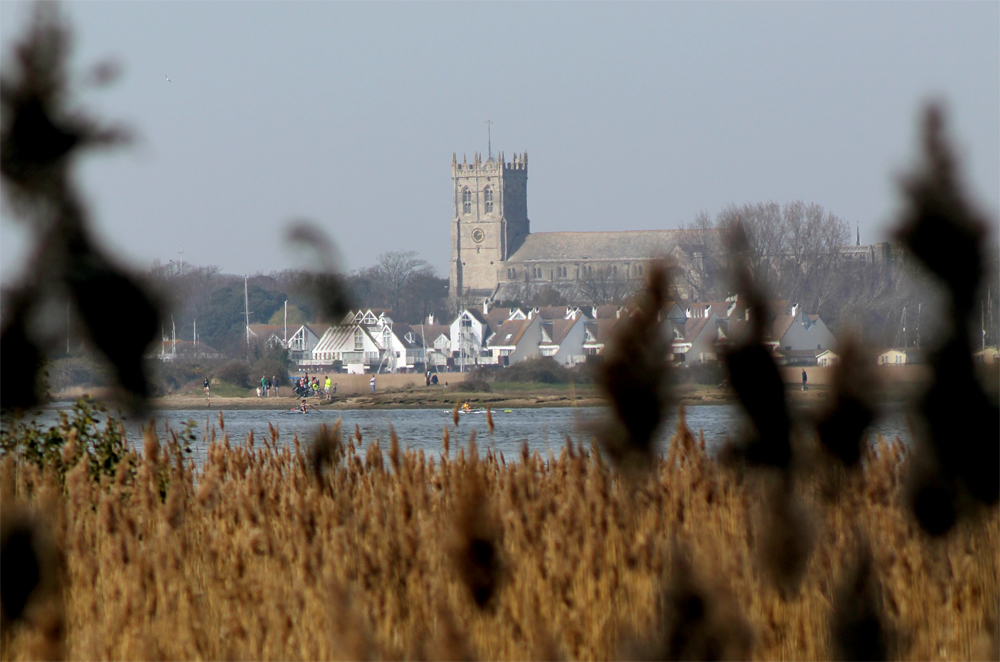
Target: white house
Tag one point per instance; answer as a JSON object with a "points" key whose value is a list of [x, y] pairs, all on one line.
{"points": [[799, 332], [896, 356], [351, 344], [436, 341], [402, 349], [563, 339], [827, 359], [472, 329], [301, 343], [698, 344]]}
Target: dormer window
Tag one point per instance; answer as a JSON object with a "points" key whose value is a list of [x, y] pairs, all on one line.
{"points": [[488, 199], [466, 201], [359, 340]]}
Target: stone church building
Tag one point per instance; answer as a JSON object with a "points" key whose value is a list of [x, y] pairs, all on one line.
{"points": [[495, 256]]}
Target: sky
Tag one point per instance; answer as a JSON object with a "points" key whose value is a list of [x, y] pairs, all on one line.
{"points": [[634, 116]]}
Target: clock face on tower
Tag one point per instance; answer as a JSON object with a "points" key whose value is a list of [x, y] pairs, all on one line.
{"points": [[478, 235]]}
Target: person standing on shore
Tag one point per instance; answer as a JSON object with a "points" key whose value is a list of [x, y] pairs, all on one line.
{"points": [[805, 378], [327, 386], [263, 385], [372, 383], [274, 380], [207, 395]]}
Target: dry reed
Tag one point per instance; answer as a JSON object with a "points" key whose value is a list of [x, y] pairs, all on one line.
{"points": [[273, 551]]}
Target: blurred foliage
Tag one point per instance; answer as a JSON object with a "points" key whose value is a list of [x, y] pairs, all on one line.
{"points": [[77, 435], [236, 373], [42, 130]]}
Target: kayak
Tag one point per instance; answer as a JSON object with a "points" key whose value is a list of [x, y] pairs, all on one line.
{"points": [[308, 411], [477, 411]]}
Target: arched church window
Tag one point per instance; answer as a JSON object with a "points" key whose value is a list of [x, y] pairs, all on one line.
{"points": [[466, 201], [614, 270], [488, 199]]}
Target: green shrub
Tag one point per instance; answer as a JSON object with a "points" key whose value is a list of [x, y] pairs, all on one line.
{"points": [[45, 447], [541, 370], [78, 371], [236, 373], [471, 385]]}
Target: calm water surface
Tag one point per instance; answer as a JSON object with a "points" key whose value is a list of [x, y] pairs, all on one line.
{"points": [[422, 429]]}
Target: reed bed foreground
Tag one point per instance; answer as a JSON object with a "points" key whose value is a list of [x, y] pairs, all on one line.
{"points": [[276, 551]]}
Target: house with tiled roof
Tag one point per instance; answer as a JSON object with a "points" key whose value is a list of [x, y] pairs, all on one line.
{"points": [[516, 340], [799, 332], [351, 344], [436, 341]]}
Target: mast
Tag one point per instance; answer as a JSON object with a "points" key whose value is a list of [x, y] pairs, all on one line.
{"points": [[286, 323], [173, 337], [246, 309]]}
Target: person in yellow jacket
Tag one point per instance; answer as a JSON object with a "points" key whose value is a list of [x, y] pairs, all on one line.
{"points": [[327, 386]]}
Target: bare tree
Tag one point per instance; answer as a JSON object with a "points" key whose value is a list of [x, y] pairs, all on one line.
{"points": [[706, 271], [607, 286], [765, 233], [812, 242], [394, 272]]}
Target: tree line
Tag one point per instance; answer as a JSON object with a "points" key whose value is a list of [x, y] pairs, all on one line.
{"points": [[213, 302]]}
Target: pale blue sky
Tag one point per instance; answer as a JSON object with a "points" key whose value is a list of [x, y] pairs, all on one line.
{"points": [[635, 116]]}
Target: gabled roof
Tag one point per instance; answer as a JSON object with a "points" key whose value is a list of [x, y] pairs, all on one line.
{"points": [[693, 327], [781, 325], [777, 307], [509, 333], [605, 328], [737, 327], [607, 311], [431, 331], [474, 313], [400, 330], [614, 246], [336, 337], [555, 312], [559, 328], [267, 330]]}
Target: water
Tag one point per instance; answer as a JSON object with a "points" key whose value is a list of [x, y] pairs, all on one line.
{"points": [[422, 429]]}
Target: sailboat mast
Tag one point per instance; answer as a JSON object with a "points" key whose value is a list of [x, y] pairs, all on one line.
{"points": [[246, 308]]}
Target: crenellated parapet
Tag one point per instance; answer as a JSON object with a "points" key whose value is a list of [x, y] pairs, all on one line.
{"points": [[490, 166]]}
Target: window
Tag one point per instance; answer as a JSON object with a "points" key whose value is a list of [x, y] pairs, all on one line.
{"points": [[614, 270], [359, 342], [466, 201], [488, 199]]}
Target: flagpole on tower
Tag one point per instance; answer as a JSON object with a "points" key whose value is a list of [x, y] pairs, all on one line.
{"points": [[489, 138]]}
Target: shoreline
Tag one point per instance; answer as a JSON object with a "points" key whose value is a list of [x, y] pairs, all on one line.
{"points": [[408, 398]]}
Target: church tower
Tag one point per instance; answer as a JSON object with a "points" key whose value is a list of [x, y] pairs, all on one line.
{"points": [[490, 223]]}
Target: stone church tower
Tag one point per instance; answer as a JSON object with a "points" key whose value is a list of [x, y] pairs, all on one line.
{"points": [[490, 223]]}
